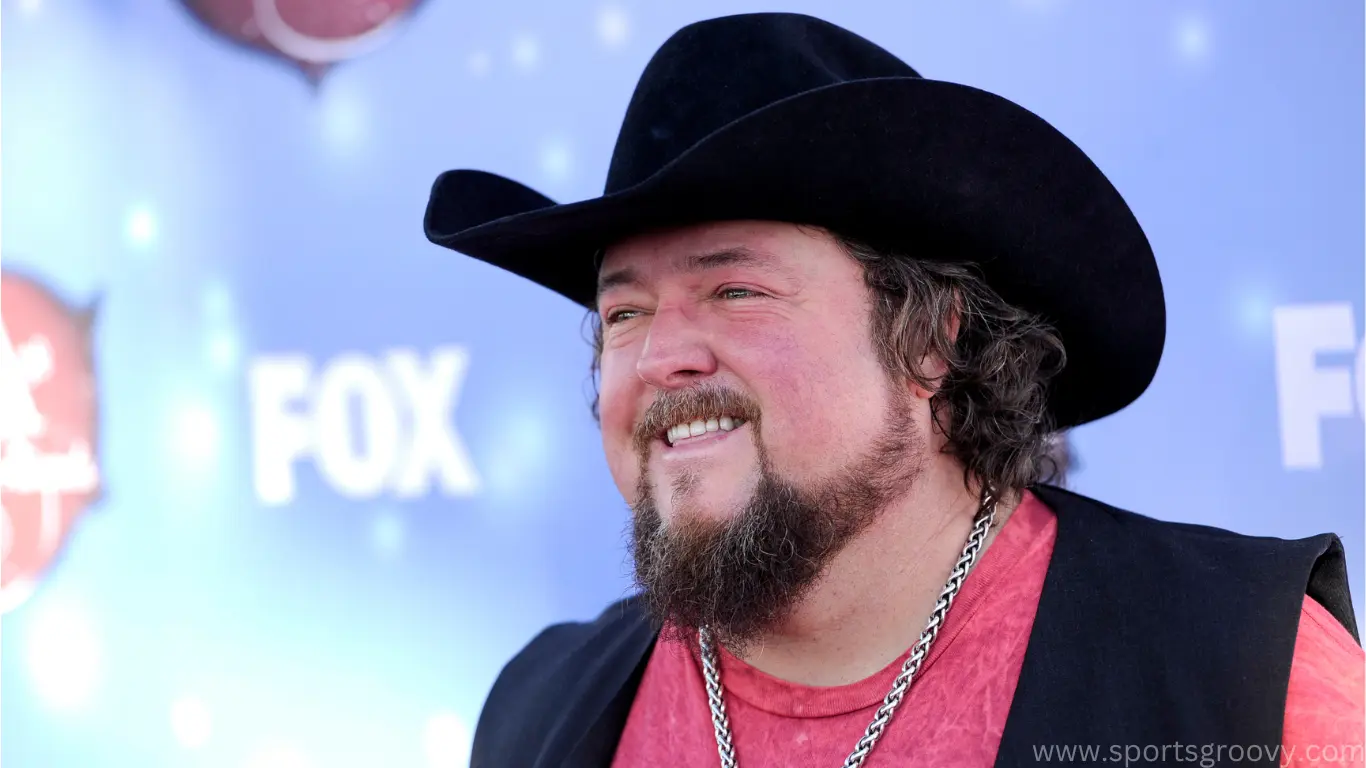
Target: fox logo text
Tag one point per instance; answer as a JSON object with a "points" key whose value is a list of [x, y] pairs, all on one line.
{"points": [[369, 425], [1310, 384]]}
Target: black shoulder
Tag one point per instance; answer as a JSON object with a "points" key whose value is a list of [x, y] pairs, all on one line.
{"points": [[552, 673], [1176, 549], [558, 643]]}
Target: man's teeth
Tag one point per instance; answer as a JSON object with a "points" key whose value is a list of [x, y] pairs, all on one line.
{"points": [[701, 427]]}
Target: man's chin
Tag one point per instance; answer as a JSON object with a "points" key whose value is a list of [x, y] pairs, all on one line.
{"points": [[737, 564], [708, 513], [692, 575]]}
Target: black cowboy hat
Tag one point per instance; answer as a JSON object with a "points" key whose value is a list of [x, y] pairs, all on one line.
{"points": [[785, 117]]}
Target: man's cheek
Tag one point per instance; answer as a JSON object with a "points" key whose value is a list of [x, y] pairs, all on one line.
{"points": [[624, 465], [614, 412]]}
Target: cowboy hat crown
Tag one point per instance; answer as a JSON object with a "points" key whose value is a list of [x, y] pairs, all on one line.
{"points": [[786, 117]]}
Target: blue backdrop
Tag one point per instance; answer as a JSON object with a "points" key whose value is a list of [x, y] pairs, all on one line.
{"points": [[247, 233]]}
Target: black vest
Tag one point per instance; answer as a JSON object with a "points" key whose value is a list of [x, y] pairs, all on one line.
{"points": [[1147, 633]]}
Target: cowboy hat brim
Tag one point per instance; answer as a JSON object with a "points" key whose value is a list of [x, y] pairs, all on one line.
{"points": [[943, 171]]}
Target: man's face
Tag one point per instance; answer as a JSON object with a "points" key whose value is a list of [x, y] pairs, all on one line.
{"points": [[745, 415]]}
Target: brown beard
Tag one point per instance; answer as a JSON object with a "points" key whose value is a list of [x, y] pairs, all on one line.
{"points": [[742, 576]]}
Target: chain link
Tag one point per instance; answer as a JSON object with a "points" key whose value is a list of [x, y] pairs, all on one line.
{"points": [[720, 721], [711, 666]]}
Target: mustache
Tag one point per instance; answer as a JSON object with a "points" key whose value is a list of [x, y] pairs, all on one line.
{"points": [[676, 406]]}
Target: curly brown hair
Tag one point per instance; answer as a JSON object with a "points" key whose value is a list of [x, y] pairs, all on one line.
{"points": [[991, 403]]}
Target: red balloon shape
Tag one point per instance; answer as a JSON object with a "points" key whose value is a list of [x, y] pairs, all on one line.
{"points": [[49, 471], [312, 35]]}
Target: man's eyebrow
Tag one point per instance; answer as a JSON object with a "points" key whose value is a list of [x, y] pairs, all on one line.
{"points": [[616, 278], [728, 257]]}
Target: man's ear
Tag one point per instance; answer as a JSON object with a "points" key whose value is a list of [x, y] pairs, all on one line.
{"points": [[933, 367]]}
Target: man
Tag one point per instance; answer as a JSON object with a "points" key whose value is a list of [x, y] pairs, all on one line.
{"points": [[840, 313]]}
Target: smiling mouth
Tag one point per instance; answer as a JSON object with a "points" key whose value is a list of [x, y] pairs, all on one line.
{"points": [[699, 428]]}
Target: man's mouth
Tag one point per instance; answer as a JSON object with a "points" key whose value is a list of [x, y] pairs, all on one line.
{"points": [[700, 428]]}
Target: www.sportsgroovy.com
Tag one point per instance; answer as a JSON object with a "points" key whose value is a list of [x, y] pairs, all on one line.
{"points": [[1204, 755]]}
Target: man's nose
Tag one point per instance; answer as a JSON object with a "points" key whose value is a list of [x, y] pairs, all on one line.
{"points": [[676, 353]]}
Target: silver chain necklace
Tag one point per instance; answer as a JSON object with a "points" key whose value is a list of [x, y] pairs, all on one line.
{"points": [[711, 666]]}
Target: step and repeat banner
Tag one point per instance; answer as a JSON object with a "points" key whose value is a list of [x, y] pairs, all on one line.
{"points": [[284, 485]]}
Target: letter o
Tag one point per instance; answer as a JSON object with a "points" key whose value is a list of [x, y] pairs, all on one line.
{"points": [[358, 471]]}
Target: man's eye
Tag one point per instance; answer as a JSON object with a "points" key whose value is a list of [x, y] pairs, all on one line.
{"points": [[736, 293], [617, 315]]}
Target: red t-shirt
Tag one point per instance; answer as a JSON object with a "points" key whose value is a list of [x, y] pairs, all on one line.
{"points": [[956, 710]]}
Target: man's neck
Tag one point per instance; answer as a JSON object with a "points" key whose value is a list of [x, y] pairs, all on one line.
{"points": [[877, 595]]}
